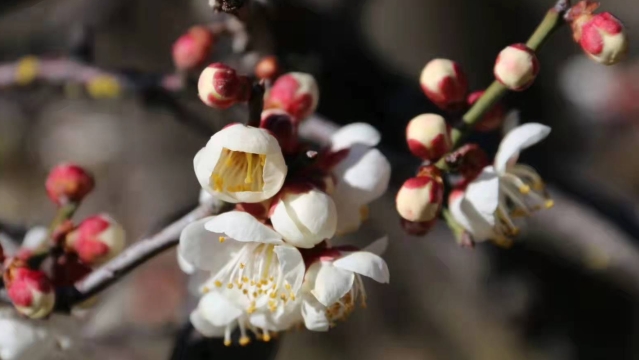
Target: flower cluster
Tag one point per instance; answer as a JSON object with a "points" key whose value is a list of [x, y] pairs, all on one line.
{"points": [[270, 262]]}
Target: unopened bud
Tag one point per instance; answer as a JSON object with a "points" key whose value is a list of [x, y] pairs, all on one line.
{"points": [[296, 93], [191, 49], [428, 136], [493, 119], [30, 291], [282, 126], [420, 198], [267, 68], [601, 36], [68, 183], [97, 239], [516, 67], [220, 87], [445, 84]]}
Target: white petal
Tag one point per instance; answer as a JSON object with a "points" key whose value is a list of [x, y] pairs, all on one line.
{"points": [[242, 226], [314, 315], [365, 263], [356, 133], [184, 265], [483, 194], [511, 122], [202, 248], [291, 265], [378, 246], [218, 310], [517, 140], [204, 326], [332, 284], [35, 237], [363, 176], [469, 218]]}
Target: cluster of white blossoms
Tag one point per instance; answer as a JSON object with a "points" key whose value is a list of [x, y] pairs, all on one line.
{"points": [[270, 263]]}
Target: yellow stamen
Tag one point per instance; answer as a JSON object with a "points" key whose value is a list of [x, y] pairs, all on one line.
{"points": [[242, 265], [227, 342], [244, 341], [249, 168], [27, 70], [222, 239], [229, 286], [549, 204], [266, 338], [205, 289], [524, 189], [218, 283]]}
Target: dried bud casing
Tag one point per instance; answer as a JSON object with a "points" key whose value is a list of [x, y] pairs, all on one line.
{"points": [[601, 36], [282, 126], [428, 137], [220, 87], [296, 93], [420, 199], [30, 291], [516, 67], [68, 183], [97, 239], [445, 84], [493, 119], [191, 49], [469, 160]]}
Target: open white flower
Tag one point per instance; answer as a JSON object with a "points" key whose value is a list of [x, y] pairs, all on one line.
{"points": [[504, 191], [254, 279], [361, 177], [241, 164], [333, 283]]}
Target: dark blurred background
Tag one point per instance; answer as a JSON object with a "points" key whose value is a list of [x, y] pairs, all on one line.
{"points": [[568, 290]]}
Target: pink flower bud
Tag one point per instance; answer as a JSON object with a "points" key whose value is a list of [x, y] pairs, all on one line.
{"points": [[220, 87], [68, 183], [428, 137], [268, 68], [445, 84], [31, 292], [420, 198], [295, 93], [97, 239], [191, 49], [493, 119], [601, 36], [516, 67], [282, 126]]}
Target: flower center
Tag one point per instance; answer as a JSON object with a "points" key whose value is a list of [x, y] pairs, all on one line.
{"points": [[342, 309], [238, 171]]}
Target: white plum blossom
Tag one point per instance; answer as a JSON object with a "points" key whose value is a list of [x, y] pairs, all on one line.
{"points": [[361, 177], [255, 276], [241, 164], [503, 191]]}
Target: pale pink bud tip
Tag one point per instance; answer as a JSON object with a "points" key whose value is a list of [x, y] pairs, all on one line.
{"points": [[445, 84], [220, 87], [603, 38], [295, 93], [191, 49], [420, 198], [97, 239], [68, 183], [31, 292], [428, 137], [516, 67], [493, 119]]}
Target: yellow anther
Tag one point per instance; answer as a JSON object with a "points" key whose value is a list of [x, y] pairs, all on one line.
{"points": [[103, 87], [266, 338], [245, 292], [27, 70], [264, 281], [524, 189], [205, 289], [229, 286], [260, 291], [272, 295], [250, 310], [549, 204], [292, 297], [254, 293], [283, 297], [287, 286], [242, 265], [271, 278], [218, 283], [245, 280], [244, 340], [222, 239], [364, 213], [227, 342]]}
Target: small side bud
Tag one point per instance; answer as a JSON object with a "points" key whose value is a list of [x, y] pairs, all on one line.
{"points": [[30, 291], [191, 49], [97, 239], [267, 68], [282, 126], [445, 84], [296, 93], [420, 198], [220, 87], [601, 36], [516, 67], [68, 183], [493, 119], [428, 137]]}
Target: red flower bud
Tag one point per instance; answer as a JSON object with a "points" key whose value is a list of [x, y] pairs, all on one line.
{"points": [[493, 119], [220, 87], [445, 84], [68, 183], [428, 137], [516, 67], [282, 126], [267, 68], [30, 291], [97, 239], [295, 93], [191, 49], [420, 198]]}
